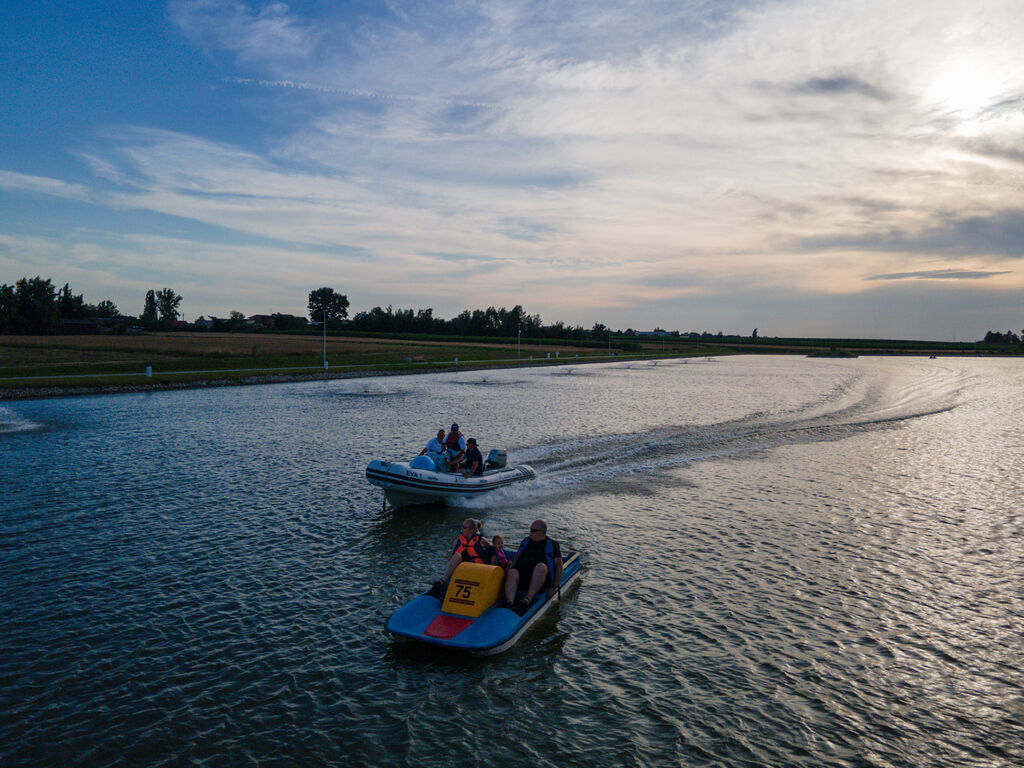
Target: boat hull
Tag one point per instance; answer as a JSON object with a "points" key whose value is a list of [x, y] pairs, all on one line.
{"points": [[404, 485], [497, 629]]}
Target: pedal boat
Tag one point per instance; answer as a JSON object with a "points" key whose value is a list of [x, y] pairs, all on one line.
{"points": [[419, 482], [469, 618]]}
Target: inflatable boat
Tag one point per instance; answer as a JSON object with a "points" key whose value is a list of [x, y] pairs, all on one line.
{"points": [[468, 617], [420, 481]]}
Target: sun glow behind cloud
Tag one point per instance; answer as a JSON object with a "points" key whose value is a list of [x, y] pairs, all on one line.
{"points": [[643, 157]]}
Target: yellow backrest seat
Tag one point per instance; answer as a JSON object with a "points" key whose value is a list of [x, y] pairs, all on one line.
{"points": [[474, 588]]}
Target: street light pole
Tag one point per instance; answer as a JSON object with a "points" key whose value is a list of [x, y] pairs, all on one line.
{"points": [[325, 338], [519, 336]]}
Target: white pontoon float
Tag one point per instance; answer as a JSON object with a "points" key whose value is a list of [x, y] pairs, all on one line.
{"points": [[419, 481]]}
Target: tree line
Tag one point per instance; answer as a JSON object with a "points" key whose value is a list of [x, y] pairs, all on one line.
{"points": [[326, 303], [36, 306], [1008, 339]]}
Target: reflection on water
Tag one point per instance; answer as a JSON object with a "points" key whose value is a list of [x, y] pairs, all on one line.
{"points": [[787, 562]]}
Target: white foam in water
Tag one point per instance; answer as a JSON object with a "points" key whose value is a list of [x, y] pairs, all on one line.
{"points": [[11, 422], [841, 407]]}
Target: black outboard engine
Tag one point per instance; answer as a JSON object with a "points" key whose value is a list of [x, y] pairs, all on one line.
{"points": [[496, 459]]}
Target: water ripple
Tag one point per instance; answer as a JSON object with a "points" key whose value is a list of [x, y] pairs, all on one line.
{"points": [[787, 562]]}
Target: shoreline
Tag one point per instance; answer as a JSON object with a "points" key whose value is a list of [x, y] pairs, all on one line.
{"points": [[46, 392], [55, 391]]}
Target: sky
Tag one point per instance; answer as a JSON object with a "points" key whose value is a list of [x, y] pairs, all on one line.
{"points": [[803, 167]]}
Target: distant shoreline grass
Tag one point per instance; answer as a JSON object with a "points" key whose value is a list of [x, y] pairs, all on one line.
{"points": [[58, 366], [36, 367]]}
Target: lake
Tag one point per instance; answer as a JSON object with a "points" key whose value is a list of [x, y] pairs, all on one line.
{"points": [[787, 561]]}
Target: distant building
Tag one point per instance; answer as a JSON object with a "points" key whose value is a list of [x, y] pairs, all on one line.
{"points": [[263, 321], [277, 321]]}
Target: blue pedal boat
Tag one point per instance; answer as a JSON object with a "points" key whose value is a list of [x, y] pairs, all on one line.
{"points": [[468, 617]]}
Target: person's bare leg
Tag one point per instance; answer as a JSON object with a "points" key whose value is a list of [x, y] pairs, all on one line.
{"points": [[511, 582], [453, 563], [540, 572]]}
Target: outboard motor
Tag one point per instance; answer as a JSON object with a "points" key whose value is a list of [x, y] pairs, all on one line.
{"points": [[497, 459]]}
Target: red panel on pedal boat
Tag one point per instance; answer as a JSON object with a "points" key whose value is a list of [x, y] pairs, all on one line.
{"points": [[446, 627]]}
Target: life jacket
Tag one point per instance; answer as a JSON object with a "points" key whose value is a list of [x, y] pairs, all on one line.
{"points": [[549, 556], [471, 547], [452, 441]]}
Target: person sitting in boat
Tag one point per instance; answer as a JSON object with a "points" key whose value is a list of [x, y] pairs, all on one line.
{"points": [[469, 547], [455, 444], [539, 563], [435, 451], [498, 553], [474, 462]]}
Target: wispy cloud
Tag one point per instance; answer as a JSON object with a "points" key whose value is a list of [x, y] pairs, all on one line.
{"points": [[41, 185], [841, 84], [938, 274], [1000, 235], [255, 35], [354, 93]]}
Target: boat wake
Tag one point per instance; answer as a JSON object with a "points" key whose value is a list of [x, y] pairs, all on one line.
{"points": [[626, 462], [11, 423]]}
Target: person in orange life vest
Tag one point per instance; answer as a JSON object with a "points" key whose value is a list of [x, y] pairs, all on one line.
{"points": [[470, 546], [539, 560], [474, 462], [498, 553], [455, 444]]}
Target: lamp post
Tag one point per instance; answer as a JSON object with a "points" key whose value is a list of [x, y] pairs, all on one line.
{"points": [[325, 338], [609, 342], [519, 336]]}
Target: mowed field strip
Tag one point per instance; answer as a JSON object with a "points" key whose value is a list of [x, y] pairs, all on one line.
{"points": [[56, 361]]}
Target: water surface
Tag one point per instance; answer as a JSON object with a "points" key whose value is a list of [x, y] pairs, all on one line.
{"points": [[787, 562]]}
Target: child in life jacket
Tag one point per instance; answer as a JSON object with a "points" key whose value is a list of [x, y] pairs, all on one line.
{"points": [[498, 553]]}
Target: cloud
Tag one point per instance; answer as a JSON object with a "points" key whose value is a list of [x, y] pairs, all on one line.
{"points": [[354, 93], [41, 185], [1000, 235], [841, 85], [938, 274], [252, 35]]}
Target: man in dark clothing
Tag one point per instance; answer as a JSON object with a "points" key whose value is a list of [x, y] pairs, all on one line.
{"points": [[474, 462], [538, 561]]}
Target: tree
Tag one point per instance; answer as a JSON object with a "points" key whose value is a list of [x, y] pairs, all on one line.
{"points": [[149, 310], [70, 306], [754, 334], [36, 302], [167, 302], [327, 300], [107, 308], [8, 309], [281, 322]]}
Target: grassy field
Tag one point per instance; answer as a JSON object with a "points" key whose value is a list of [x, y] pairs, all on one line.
{"points": [[49, 363], [32, 366]]}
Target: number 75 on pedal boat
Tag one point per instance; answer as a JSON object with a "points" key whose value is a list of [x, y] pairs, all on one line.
{"points": [[469, 617]]}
